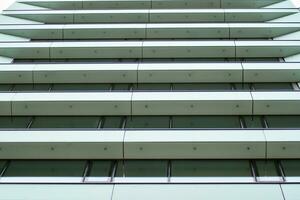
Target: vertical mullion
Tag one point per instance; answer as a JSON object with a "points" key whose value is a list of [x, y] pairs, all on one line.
{"points": [[4, 168], [30, 122], [280, 170], [253, 170], [169, 172], [100, 123], [86, 170], [113, 170]]}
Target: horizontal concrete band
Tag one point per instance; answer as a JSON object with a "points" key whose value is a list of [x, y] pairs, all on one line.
{"points": [[145, 191], [154, 144], [150, 103], [150, 31], [150, 73], [151, 15], [148, 4], [150, 49]]}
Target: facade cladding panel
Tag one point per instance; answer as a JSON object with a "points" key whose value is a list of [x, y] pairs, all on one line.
{"points": [[150, 99]]}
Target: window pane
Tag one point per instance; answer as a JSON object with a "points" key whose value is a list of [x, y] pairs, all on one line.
{"points": [[291, 169], [142, 168], [283, 121], [65, 122], [31, 87], [49, 168], [6, 87], [81, 86], [100, 171], [147, 122], [253, 121], [272, 86], [267, 170], [2, 164], [101, 168], [242, 86], [202, 86], [14, 122], [121, 86], [112, 122], [206, 122], [152, 86], [210, 168]]}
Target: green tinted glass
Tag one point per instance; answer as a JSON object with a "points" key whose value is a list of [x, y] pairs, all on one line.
{"points": [[142, 168], [47, 168], [206, 122], [65, 122], [210, 168]]}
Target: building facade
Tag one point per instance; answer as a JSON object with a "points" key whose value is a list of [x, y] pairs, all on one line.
{"points": [[150, 99]]}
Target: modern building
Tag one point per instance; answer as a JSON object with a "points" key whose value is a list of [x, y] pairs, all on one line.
{"points": [[150, 99]]}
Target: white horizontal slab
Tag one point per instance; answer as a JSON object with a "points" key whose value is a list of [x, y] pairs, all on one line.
{"points": [[151, 30], [276, 103], [117, 4], [123, 49], [34, 31], [85, 73], [54, 191], [150, 49], [5, 103], [283, 143], [194, 144], [184, 30], [104, 31], [266, 49], [24, 50], [261, 30], [202, 191], [188, 49], [186, 15], [72, 103], [149, 73], [271, 72], [40, 180], [61, 144], [143, 4], [191, 103], [152, 15], [10, 73], [256, 15], [189, 72]]}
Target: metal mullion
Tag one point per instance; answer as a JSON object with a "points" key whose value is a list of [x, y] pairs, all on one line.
{"points": [[171, 122], [233, 87], [12, 87], [254, 171], [30, 122], [113, 170], [100, 123], [169, 172], [252, 88], [171, 87], [124, 122], [50, 88], [86, 170], [112, 86], [242, 122], [264, 122], [280, 170], [4, 168]]}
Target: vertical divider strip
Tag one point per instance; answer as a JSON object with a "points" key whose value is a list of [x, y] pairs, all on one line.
{"points": [[11, 104], [243, 73], [123, 143], [266, 145], [4, 168]]}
